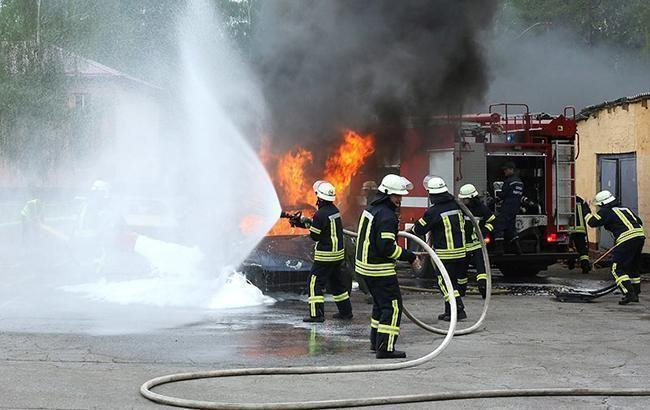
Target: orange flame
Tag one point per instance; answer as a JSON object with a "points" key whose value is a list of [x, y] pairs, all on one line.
{"points": [[290, 173], [348, 159]]}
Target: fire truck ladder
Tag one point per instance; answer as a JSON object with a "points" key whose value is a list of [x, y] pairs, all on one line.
{"points": [[565, 196]]}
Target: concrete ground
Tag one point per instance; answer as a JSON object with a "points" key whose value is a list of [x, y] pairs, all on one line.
{"points": [[527, 341]]}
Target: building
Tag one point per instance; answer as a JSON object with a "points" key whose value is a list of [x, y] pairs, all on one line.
{"points": [[112, 129], [614, 154]]}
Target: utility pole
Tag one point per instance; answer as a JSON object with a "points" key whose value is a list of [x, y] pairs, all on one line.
{"points": [[38, 22]]}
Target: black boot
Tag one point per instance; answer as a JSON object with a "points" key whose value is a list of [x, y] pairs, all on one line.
{"points": [[314, 319], [630, 296], [395, 354], [482, 288], [373, 339], [447, 312], [637, 289], [343, 316], [586, 266], [498, 247], [460, 315], [462, 289]]}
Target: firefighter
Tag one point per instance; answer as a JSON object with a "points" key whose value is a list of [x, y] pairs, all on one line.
{"points": [[579, 237], [484, 217], [627, 228], [326, 229], [376, 255], [368, 191], [444, 219], [510, 193]]}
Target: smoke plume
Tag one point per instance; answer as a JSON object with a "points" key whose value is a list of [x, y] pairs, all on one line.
{"points": [[326, 65]]}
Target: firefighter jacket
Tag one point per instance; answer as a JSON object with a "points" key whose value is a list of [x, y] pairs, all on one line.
{"points": [[377, 248], [619, 220], [511, 194], [326, 229], [483, 217], [580, 225], [445, 221]]}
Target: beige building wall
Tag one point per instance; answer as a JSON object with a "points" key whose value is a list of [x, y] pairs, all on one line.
{"points": [[616, 130]]}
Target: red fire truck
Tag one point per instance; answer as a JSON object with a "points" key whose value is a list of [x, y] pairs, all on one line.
{"points": [[471, 149]]}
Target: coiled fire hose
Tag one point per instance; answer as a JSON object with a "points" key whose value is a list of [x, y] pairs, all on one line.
{"points": [[145, 389]]}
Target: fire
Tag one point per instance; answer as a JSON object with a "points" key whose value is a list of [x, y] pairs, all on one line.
{"points": [[291, 176], [290, 173], [348, 158]]}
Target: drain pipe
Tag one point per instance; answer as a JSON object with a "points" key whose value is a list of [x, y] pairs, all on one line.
{"points": [[146, 388]]}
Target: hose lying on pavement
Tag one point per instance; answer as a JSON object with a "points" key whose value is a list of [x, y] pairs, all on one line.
{"points": [[145, 389]]}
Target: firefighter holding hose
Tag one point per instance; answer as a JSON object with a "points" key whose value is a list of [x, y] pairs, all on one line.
{"points": [[484, 218], [628, 230], [444, 219], [376, 255], [326, 229]]}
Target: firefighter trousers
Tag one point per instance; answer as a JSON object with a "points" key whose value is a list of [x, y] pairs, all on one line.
{"points": [[475, 260], [505, 226], [456, 268], [322, 275], [386, 311], [579, 241], [625, 269]]}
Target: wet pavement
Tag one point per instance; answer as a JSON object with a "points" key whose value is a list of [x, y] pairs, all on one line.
{"points": [[528, 340]]}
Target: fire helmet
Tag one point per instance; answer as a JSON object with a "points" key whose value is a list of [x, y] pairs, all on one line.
{"points": [[395, 184], [467, 191], [325, 191], [101, 187], [603, 198], [436, 185]]}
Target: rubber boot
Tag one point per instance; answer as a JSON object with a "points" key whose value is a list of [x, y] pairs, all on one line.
{"points": [[462, 289], [482, 288], [373, 339], [460, 315], [586, 266], [343, 316], [498, 247], [630, 296], [637, 289], [395, 354], [314, 319], [345, 310], [447, 312]]}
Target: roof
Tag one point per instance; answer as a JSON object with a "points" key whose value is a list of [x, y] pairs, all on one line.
{"points": [[20, 55], [587, 111]]}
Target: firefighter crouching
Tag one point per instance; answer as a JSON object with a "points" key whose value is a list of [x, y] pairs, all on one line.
{"points": [[326, 229], [376, 254], [627, 228], [579, 237], [511, 193], [444, 219], [484, 218]]}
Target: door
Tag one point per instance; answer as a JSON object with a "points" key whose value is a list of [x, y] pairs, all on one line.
{"points": [[618, 175]]}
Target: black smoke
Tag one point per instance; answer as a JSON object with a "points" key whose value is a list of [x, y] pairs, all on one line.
{"points": [[368, 65]]}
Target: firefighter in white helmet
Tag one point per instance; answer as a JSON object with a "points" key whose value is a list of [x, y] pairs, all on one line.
{"points": [[484, 218], [444, 219], [326, 228], [376, 254], [627, 228]]}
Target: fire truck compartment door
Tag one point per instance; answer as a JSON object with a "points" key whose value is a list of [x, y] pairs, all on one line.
{"points": [[441, 163]]}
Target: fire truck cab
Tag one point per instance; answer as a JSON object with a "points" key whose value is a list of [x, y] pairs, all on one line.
{"points": [[471, 149]]}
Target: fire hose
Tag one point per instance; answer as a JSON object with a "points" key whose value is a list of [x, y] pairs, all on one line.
{"points": [[146, 388]]}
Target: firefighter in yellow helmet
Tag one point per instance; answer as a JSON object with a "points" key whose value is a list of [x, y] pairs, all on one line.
{"points": [[326, 228], [376, 255]]}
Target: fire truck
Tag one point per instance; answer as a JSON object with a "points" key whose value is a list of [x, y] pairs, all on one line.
{"points": [[472, 148]]}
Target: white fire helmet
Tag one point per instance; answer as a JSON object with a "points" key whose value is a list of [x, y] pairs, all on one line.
{"points": [[436, 185], [325, 191], [100, 186], [603, 198], [395, 184], [467, 191]]}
